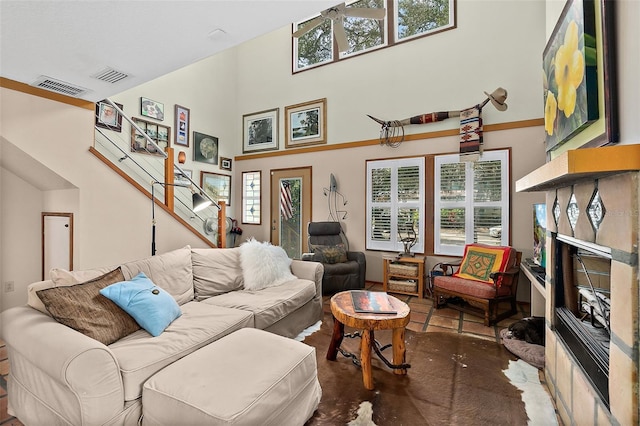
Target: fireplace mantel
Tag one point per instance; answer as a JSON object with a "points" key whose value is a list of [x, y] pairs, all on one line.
{"points": [[577, 164], [593, 197]]}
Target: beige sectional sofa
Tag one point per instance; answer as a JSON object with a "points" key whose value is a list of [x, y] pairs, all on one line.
{"points": [[59, 376]]}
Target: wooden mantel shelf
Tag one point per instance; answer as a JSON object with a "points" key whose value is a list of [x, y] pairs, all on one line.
{"points": [[577, 164]]}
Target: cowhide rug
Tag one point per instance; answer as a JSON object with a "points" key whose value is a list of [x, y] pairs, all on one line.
{"points": [[453, 380]]}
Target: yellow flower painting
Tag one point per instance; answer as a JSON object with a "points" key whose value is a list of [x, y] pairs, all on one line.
{"points": [[570, 74]]}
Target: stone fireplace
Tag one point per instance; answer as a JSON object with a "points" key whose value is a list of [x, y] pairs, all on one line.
{"points": [[593, 221]]}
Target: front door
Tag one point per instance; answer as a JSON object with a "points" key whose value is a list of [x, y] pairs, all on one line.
{"points": [[290, 209]]}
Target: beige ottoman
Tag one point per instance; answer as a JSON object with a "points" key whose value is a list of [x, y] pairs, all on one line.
{"points": [[249, 377]]}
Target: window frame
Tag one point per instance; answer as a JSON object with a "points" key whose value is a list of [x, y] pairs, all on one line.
{"points": [[389, 36], [246, 196], [504, 156], [394, 245], [395, 22]]}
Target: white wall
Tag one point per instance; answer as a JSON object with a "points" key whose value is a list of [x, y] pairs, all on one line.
{"points": [[112, 220], [208, 90], [492, 46], [21, 248]]}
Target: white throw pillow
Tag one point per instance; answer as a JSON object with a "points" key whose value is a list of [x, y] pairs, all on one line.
{"points": [[264, 265]]}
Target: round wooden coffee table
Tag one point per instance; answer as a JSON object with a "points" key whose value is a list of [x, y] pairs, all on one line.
{"points": [[344, 314]]}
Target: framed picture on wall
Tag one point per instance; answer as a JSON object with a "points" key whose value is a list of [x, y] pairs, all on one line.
{"points": [[579, 87], [158, 133], [217, 186], [225, 163], [306, 123], [180, 178], [182, 125], [151, 109], [205, 148], [260, 131], [108, 117]]}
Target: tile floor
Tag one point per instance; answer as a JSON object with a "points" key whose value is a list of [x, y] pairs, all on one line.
{"points": [[424, 317]]}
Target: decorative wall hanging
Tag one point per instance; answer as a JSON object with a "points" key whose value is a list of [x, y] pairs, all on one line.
{"points": [[205, 148], [107, 117], [151, 109], [225, 163], [392, 132], [182, 157], [182, 115], [260, 131], [158, 133], [580, 77], [306, 123], [218, 186]]}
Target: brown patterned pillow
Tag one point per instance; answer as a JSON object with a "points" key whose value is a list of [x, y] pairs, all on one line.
{"points": [[330, 254], [84, 309]]}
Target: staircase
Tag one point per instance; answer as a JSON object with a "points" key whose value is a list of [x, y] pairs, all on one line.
{"points": [[144, 158]]}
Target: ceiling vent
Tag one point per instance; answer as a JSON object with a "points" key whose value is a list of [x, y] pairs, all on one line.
{"points": [[58, 86], [110, 75]]}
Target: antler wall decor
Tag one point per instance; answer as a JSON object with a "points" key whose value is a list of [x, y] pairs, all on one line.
{"points": [[392, 132]]}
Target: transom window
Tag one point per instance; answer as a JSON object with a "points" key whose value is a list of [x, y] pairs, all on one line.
{"points": [[471, 202], [404, 20]]}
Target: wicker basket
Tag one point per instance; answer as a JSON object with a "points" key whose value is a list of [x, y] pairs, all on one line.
{"points": [[402, 269], [406, 286]]}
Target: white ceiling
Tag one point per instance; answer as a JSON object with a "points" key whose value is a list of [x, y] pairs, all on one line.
{"points": [[71, 40]]}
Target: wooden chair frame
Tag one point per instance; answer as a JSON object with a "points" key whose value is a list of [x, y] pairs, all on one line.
{"points": [[487, 308]]}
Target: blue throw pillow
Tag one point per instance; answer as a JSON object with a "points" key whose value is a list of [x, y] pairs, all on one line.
{"points": [[152, 307]]}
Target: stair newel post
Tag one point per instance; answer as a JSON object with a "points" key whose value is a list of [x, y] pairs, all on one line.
{"points": [[169, 178], [222, 222]]}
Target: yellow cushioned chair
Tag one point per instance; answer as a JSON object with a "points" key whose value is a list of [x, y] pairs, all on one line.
{"points": [[486, 276]]}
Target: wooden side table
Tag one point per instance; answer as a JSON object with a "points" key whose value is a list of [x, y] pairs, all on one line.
{"points": [[404, 275], [344, 314]]}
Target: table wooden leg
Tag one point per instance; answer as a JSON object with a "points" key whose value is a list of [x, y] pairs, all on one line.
{"points": [[398, 350], [365, 359], [336, 339]]}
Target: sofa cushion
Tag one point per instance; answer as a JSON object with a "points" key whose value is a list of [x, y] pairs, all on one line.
{"points": [[84, 309], [470, 287], [171, 271], [264, 264], [480, 261], [216, 271], [62, 277], [140, 355], [269, 380], [152, 307], [269, 305], [59, 277]]}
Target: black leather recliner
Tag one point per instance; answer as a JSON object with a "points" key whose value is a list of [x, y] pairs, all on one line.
{"points": [[341, 275]]}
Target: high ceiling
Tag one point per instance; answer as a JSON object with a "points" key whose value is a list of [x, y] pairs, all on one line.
{"points": [[81, 47]]}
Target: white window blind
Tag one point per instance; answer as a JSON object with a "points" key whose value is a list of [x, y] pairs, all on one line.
{"points": [[471, 202], [395, 198]]}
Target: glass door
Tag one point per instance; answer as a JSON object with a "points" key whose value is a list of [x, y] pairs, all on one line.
{"points": [[290, 209]]}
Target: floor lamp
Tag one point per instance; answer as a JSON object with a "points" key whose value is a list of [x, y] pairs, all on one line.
{"points": [[198, 203]]}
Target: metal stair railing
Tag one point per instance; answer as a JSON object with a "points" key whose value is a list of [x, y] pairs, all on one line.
{"points": [[150, 172]]}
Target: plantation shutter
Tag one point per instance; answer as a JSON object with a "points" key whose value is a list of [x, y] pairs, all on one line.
{"points": [[395, 198], [471, 202]]}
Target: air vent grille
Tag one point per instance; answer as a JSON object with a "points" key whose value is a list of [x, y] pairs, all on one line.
{"points": [[58, 86], [110, 75]]}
